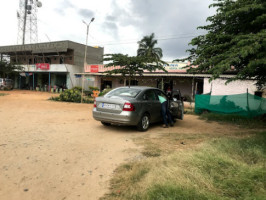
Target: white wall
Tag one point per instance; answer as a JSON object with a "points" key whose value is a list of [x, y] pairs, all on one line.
{"points": [[235, 87], [71, 80]]}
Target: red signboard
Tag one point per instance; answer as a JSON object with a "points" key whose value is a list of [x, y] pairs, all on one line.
{"points": [[94, 68], [43, 66]]}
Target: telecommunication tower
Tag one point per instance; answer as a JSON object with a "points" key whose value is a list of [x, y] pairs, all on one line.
{"points": [[27, 21]]}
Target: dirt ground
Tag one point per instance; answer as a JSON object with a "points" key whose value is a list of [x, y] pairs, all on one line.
{"points": [[55, 151]]}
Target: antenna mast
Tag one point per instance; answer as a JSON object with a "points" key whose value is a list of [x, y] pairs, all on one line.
{"points": [[27, 21]]}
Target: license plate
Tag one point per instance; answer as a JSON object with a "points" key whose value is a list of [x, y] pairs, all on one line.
{"points": [[109, 106]]}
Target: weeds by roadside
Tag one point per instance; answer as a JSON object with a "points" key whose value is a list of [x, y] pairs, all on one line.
{"points": [[3, 94], [258, 122], [191, 166], [189, 110]]}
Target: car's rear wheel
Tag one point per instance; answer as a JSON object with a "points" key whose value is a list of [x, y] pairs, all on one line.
{"points": [[144, 123], [106, 124]]}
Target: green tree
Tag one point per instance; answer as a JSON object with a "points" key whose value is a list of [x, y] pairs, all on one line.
{"points": [[147, 48], [235, 41], [7, 69], [130, 66]]}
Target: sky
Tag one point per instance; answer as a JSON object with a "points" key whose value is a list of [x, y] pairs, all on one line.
{"points": [[118, 24]]}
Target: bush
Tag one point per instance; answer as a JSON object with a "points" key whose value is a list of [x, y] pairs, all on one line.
{"points": [[88, 93], [77, 88], [54, 98], [91, 88], [88, 100], [105, 91], [72, 95]]}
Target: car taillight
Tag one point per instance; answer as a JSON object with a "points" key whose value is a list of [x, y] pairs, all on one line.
{"points": [[128, 107], [95, 104]]}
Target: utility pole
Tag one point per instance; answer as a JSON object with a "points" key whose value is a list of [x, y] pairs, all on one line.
{"points": [[85, 56]]}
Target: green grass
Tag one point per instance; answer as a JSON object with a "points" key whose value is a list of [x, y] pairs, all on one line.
{"points": [[235, 167], [258, 122], [170, 191], [226, 168], [151, 150], [2, 94], [189, 110]]}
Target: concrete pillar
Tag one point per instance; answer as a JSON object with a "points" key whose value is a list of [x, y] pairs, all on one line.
{"points": [[68, 81]]}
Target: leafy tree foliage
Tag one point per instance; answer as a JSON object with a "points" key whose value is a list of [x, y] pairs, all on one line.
{"points": [[148, 59], [7, 69], [130, 66], [147, 48], [235, 40]]}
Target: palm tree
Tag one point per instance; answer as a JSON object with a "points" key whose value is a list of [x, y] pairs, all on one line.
{"points": [[146, 48]]}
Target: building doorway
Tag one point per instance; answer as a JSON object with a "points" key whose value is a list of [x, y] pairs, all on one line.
{"points": [[61, 81], [164, 84], [199, 86], [106, 84]]}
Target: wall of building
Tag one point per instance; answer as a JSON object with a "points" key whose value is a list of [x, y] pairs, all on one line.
{"points": [[63, 57], [71, 80], [94, 55], [235, 87], [147, 81], [89, 81], [184, 84], [50, 52]]}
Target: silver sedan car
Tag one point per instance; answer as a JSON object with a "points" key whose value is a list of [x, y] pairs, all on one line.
{"points": [[135, 106]]}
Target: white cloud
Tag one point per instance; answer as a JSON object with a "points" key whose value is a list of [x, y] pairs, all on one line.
{"points": [[118, 24]]}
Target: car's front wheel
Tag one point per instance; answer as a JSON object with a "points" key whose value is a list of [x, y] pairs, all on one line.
{"points": [[144, 123]]}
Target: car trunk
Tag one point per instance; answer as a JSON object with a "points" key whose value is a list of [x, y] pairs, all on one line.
{"points": [[110, 104]]}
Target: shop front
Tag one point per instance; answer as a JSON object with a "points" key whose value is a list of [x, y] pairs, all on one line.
{"points": [[176, 79], [45, 76]]}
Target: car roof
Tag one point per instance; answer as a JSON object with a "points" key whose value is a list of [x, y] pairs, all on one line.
{"points": [[138, 87]]}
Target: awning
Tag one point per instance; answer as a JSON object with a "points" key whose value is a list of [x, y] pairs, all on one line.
{"points": [[161, 75]]}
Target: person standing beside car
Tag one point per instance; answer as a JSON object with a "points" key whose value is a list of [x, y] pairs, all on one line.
{"points": [[165, 111]]}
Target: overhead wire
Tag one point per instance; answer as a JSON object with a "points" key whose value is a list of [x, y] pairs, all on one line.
{"points": [[121, 42], [135, 40]]}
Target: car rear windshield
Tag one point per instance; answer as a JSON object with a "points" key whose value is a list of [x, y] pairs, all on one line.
{"points": [[124, 92]]}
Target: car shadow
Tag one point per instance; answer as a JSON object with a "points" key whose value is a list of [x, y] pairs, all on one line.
{"points": [[128, 129]]}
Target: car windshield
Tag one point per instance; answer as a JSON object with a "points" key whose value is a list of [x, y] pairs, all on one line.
{"points": [[124, 92]]}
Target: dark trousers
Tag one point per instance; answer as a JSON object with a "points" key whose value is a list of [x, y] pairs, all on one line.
{"points": [[166, 113]]}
